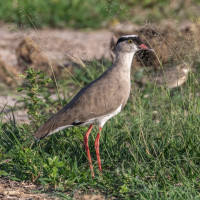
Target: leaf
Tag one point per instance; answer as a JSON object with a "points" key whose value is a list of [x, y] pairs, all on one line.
{"points": [[22, 75], [60, 164], [55, 169], [3, 173], [20, 89]]}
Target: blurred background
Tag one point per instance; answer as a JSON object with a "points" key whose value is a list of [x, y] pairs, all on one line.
{"points": [[30, 29], [95, 14]]}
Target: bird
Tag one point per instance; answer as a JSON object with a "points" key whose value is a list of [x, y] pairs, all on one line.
{"points": [[172, 77], [100, 100]]}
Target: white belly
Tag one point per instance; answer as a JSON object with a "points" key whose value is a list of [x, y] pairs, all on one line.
{"points": [[100, 121]]}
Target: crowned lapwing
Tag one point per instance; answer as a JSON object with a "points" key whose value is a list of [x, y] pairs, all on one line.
{"points": [[100, 100]]}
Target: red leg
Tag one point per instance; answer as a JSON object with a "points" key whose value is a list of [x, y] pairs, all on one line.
{"points": [[87, 147], [97, 149]]}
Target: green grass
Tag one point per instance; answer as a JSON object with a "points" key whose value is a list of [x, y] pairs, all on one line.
{"points": [[92, 13], [62, 13], [151, 150]]}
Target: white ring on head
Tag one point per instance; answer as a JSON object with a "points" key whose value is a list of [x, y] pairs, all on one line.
{"points": [[127, 36]]}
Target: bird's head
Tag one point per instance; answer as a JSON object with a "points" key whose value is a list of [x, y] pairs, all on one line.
{"points": [[130, 44]]}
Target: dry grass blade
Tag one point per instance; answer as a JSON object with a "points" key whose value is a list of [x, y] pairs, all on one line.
{"points": [[75, 59]]}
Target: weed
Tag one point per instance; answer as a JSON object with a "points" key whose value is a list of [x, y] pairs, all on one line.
{"points": [[36, 95]]}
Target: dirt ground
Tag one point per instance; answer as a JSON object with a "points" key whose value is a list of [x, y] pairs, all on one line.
{"points": [[56, 43], [13, 190]]}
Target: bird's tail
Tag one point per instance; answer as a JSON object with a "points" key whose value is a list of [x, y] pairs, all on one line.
{"points": [[41, 133], [46, 129], [53, 125]]}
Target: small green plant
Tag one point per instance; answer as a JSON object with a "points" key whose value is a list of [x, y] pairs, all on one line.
{"points": [[51, 168], [36, 94]]}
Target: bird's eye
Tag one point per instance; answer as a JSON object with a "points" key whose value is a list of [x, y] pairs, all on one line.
{"points": [[130, 41]]}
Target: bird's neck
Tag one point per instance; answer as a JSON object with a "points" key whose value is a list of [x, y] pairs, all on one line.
{"points": [[123, 61]]}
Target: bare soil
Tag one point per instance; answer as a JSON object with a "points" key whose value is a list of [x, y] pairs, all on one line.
{"points": [[13, 190], [56, 43]]}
